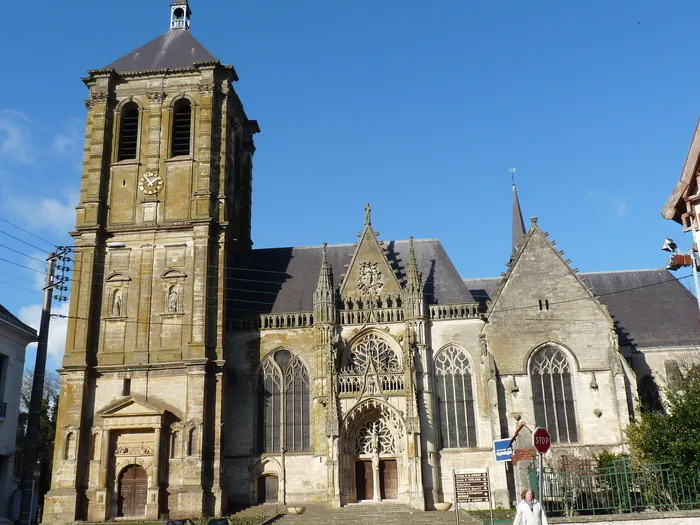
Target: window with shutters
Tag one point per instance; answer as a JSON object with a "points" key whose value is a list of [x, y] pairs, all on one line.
{"points": [[128, 132], [182, 127], [455, 398], [552, 392], [284, 404]]}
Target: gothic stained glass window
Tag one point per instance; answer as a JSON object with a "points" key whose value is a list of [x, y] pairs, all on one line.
{"points": [[455, 398], [375, 436], [284, 406], [372, 349], [552, 392]]}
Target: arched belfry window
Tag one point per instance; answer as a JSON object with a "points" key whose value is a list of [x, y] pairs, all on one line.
{"points": [[128, 132], [552, 392], [284, 404], [182, 127], [454, 389]]}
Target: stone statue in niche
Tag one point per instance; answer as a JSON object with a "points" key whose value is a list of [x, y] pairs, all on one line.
{"points": [[117, 303], [172, 299]]}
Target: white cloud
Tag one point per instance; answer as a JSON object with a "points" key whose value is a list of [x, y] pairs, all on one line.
{"points": [[608, 203], [50, 217], [69, 140], [58, 328], [15, 138]]}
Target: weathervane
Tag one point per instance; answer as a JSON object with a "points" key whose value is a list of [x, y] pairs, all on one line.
{"points": [[512, 175]]}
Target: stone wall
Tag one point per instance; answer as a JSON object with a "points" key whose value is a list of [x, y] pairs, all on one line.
{"points": [[642, 518]]}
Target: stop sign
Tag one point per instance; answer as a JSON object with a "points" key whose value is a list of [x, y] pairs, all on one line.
{"points": [[541, 440]]}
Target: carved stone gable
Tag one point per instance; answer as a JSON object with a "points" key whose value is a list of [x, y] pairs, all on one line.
{"points": [[131, 413], [369, 273]]}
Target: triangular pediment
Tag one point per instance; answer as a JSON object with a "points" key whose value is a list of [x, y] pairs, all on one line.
{"points": [[369, 273], [130, 407], [538, 272]]}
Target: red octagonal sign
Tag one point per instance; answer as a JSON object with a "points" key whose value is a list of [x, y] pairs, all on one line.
{"points": [[541, 439]]}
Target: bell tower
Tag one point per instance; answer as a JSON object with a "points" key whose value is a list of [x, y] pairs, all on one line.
{"points": [[165, 203]]}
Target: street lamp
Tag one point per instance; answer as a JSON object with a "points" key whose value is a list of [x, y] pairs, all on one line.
{"points": [[682, 260]]}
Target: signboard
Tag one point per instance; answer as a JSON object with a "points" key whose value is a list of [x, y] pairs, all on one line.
{"points": [[541, 440], [472, 486], [501, 451]]}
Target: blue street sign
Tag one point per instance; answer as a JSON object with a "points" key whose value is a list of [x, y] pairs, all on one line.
{"points": [[501, 451]]}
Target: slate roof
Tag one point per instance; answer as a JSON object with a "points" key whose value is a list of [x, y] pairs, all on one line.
{"points": [[5, 315], [176, 49], [650, 308], [284, 279]]}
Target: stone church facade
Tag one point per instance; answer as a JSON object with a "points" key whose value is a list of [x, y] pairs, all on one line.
{"points": [[201, 375]]}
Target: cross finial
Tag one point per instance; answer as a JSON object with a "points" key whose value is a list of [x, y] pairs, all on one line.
{"points": [[512, 175], [368, 214]]}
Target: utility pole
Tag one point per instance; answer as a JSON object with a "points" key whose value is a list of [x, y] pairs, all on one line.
{"points": [[31, 443]]}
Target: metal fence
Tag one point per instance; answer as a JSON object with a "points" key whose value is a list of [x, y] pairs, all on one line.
{"points": [[622, 487]]}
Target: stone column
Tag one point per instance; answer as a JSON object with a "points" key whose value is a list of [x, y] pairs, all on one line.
{"points": [[154, 490], [375, 477], [98, 510], [217, 491]]}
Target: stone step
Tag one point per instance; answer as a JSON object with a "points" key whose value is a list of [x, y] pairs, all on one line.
{"points": [[368, 514]]}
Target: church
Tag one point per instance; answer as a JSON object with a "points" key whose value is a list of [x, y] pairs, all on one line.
{"points": [[201, 375]]}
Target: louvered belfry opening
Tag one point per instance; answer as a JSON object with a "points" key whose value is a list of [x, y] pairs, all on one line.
{"points": [[182, 125], [128, 132]]}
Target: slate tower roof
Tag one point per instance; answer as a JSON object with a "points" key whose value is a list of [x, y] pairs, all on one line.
{"points": [[175, 49]]}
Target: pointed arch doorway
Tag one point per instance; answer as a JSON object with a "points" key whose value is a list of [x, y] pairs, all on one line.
{"points": [[376, 472]]}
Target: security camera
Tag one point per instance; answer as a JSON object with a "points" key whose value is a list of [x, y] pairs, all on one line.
{"points": [[669, 246]]}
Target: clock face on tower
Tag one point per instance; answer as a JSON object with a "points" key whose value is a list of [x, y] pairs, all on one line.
{"points": [[151, 183]]}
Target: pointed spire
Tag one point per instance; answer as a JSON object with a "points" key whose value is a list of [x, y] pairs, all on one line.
{"points": [[518, 223], [415, 282], [324, 297], [413, 292]]}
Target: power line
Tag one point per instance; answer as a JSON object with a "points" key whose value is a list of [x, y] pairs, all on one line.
{"points": [[22, 253], [12, 276], [3, 283], [22, 266], [155, 323], [595, 295], [23, 241], [27, 232]]}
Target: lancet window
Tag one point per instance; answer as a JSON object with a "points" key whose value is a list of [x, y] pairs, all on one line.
{"points": [[455, 398], [550, 375], [284, 404]]}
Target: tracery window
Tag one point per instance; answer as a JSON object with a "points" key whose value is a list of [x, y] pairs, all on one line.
{"points": [[455, 398], [128, 132], [376, 437], [372, 349], [550, 375], [284, 404]]}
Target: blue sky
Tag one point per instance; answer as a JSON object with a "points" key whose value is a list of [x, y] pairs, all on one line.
{"points": [[420, 108]]}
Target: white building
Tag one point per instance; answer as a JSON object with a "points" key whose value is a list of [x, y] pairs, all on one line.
{"points": [[14, 338]]}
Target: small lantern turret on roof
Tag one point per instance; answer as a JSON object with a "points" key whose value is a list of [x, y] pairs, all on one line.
{"points": [[180, 14]]}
